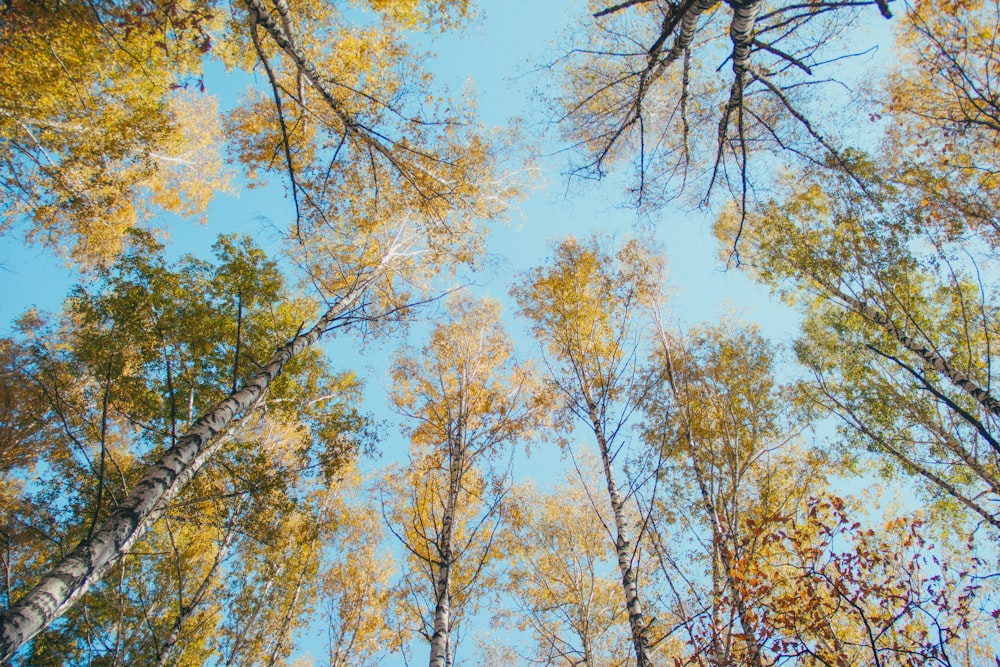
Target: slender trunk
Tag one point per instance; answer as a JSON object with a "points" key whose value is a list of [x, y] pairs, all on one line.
{"points": [[187, 610], [247, 623], [286, 621], [741, 35], [622, 548], [753, 645], [741, 30], [687, 16], [88, 562], [717, 652], [939, 363], [441, 639], [239, 338], [689, 24], [442, 619], [722, 551]]}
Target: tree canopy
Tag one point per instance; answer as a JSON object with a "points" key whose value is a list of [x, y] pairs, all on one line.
{"points": [[371, 424]]}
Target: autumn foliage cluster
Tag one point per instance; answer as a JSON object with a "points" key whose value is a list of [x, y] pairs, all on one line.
{"points": [[188, 478]]}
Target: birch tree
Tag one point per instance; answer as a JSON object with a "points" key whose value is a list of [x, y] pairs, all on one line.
{"points": [[468, 401], [131, 364], [727, 433], [687, 92], [898, 333], [585, 309]]}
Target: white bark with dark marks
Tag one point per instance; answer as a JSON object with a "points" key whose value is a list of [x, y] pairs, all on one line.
{"points": [[689, 25], [927, 354], [441, 639], [623, 548], [741, 31], [92, 558]]}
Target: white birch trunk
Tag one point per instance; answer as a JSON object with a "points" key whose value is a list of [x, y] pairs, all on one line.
{"points": [[741, 33], [442, 619], [689, 24], [622, 548], [939, 363], [88, 562], [441, 639]]}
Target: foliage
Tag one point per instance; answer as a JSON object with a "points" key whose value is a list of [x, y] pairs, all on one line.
{"points": [[703, 532], [101, 126], [562, 582], [832, 592], [125, 367], [898, 329], [730, 460], [586, 312]]}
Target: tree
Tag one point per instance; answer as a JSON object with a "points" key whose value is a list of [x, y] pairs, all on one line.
{"points": [[469, 402], [129, 368], [563, 584], [356, 591], [898, 330], [720, 424], [645, 87], [584, 309], [943, 146], [829, 591]]}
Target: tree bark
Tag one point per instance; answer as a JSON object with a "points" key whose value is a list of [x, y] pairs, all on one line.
{"points": [[622, 547], [928, 355], [88, 562], [441, 639]]}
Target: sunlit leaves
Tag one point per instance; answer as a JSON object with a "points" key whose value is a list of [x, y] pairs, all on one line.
{"points": [[565, 588], [467, 402], [366, 146], [832, 591], [586, 307], [898, 330], [943, 99], [98, 131]]}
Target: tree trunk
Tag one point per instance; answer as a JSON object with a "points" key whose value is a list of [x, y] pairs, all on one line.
{"points": [[442, 619], [689, 24], [939, 363], [441, 639], [721, 552], [622, 548], [88, 562]]}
